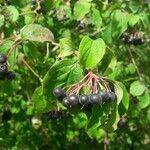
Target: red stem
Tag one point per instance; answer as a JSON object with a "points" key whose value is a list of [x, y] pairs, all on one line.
{"points": [[13, 47]]}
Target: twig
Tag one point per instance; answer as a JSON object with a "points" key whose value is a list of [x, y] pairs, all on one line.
{"points": [[13, 47], [9, 38], [106, 141], [133, 61], [30, 68], [54, 43]]}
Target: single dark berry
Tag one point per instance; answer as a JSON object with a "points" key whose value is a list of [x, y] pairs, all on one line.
{"points": [[66, 102], [125, 38], [73, 100], [32, 7], [8, 2], [104, 95], [112, 97], [95, 99], [138, 41], [6, 115], [39, 11], [10, 75], [3, 68], [58, 92], [3, 58], [33, 2], [84, 100], [61, 97]]}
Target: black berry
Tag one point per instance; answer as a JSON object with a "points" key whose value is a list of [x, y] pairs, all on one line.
{"points": [[104, 95], [33, 2], [138, 41], [61, 97], [112, 97], [3, 58], [3, 68], [8, 2], [84, 100], [32, 7], [59, 92], [73, 100], [95, 99], [10, 75], [66, 102]]}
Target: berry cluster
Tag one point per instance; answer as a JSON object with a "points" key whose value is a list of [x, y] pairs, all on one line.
{"points": [[55, 115], [84, 100], [4, 73], [134, 39]]}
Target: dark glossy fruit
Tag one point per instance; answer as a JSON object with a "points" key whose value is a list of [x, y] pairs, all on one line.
{"points": [[104, 95], [73, 100], [8, 2], [3, 68], [95, 99], [32, 7], [66, 102], [125, 38], [112, 97], [84, 100], [61, 97], [58, 92], [138, 41], [33, 2], [3, 58], [10, 75]]}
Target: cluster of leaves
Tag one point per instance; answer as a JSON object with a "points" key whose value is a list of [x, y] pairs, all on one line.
{"points": [[55, 48]]}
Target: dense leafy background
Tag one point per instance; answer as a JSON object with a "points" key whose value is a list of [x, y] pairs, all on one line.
{"points": [[60, 43]]}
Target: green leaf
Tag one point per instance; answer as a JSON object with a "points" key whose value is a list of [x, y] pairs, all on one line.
{"points": [[124, 104], [118, 91], [144, 100], [40, 103], [134, 19], [113, 119], [91, 52], [66, 47], [81, 8], [80, 120], [35, 32], [62, 73], [95, 118], [2, 19], [137, 88], [111, 62], [12, 13], [96, 18], [119, 23]]}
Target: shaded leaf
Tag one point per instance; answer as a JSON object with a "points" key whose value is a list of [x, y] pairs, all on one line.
{"points": [[40, 103], [62, 73], [35, 32]]}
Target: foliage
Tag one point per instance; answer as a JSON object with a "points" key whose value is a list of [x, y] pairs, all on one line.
{"points": [[56, 43]]}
